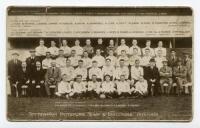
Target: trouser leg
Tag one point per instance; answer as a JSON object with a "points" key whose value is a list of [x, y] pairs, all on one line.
{"points": [[19, 89], [47, 89], [13, 89]]}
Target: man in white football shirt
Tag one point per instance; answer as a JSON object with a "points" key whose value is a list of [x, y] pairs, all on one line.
{"points": [[80, 70], [41, 50], [64, 88], [98, 58], [123, 56], [134, 56], [123, 87], [159, 59], [121, 70], [68, 70], [112, 58], [65, 48], [146, 58], [95, 70], [46, 63], [93, 87], [136, 72], [74, 59], [108, 88], [135, 46], [77, 48], [87, 62], [61, 60], [141, 87], [148, 46], [123, 46], [108, 69], [53, 49], [79, 88], [160, 47]]}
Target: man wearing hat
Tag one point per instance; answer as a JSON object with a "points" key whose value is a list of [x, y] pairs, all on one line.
{"points": [[31, 64], [165, 78], [152, 76], [14, 67], [172, 60], [180, 73]]}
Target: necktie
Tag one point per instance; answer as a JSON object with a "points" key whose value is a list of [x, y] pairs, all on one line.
{"points": [[173, 59], [53, 71], [15, 61]]}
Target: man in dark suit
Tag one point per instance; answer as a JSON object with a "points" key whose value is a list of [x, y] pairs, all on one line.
{"points": [[24, 80], [39, 74], [14, 67], [152, 77], [100, 46], [180, 73], [31, 66], [172, 60], [31, 61], [52, 77]]}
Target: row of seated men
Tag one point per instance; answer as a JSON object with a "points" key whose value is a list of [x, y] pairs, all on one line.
{"points": [[37, 74]]}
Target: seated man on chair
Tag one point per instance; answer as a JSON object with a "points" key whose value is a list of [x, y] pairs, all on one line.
{"points": [[180, 73], [152, 77], [165, 78], [24, 79], [39, 74], [52, 77]]}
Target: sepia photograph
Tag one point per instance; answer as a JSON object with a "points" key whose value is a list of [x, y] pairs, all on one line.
{"points": [[99, 63]]}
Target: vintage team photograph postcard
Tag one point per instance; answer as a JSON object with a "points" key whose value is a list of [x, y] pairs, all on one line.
{"points": [[99, 63]]}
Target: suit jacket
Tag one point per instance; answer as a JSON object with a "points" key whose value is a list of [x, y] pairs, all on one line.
{"points": [[31, 65], [56, 75], [151, 73], [172, 62], [188, 65], [180, 72], [13, 70], [24, 76], [39, 75]]}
